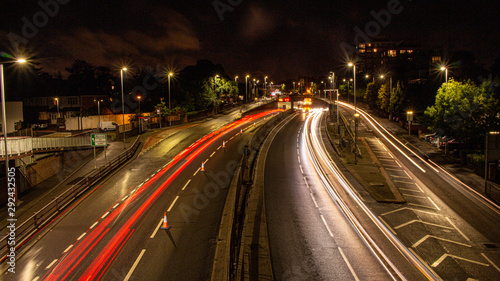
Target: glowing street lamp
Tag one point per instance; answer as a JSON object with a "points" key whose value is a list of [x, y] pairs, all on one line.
{"points": [[170, 74], [57, 101], [236, 79], [123, 106], [446, 73], [354, 74], [139, 99], [4, 124], [246, 87], [409, 118]]}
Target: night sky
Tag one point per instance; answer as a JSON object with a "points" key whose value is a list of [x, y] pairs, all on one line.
{"points": [[281, 39]]}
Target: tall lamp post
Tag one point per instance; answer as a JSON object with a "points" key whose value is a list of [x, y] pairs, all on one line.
{"points": [[139, 99], [354, 74], [57, 102], [169, 105], [123, 106], [409, 118], [246, 87], [236, 79], [99, 112], [4, 127], [215, 92], [265, 85], [446, 73], [356, 123], [333, 86]]}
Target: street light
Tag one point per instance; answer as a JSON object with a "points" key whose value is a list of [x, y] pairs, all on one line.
{"points": [[99, 112], [446, 72], [215, 92], [123, 106], [236, 79], [390, 94], [4, 126], [356, 123], [409, 118], [57, 101], [139, 98], [354, 74], [265, 85], [169, 104], [246, 87]]}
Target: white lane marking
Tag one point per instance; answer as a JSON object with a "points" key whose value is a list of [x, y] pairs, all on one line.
{"points": [[36, 278], [125, 198], [423, 222], [348, 265], [187, 183], [298, 151], [67, 249], [419, 188], [134, 265], [51, 264], [456, 228], [105, 215], [196, 172], [213, 153], [491, 262], [81, 236], [116, 205], [314, 200], [156, 229], [219, 147], [305, 180], [327, 227], [173, 203], [435, 205], [438, 238], [206, 160], [421, 206], [302, 171], [158, 170], [416, 196], [443, 257], [95, 223], [407, 174]]}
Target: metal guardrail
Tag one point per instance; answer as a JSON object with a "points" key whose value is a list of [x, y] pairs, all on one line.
{"points": [[41, 218]]}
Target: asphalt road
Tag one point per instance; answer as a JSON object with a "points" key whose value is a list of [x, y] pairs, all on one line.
{"points": [[102, 236], [310, 237], [448, 227]]}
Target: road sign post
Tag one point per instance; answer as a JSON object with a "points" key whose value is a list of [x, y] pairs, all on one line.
{"points": [[100, 140]]}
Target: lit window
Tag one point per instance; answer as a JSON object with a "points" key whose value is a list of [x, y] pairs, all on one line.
{"points": [[402, 51], [374, 50], [362, 51], [392, 53], [436, 59], [362, 46], [410, 51], [369, 45]]}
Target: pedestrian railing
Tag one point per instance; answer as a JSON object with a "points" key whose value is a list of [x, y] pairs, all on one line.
{"points": [[41, 218], [21, 145]]}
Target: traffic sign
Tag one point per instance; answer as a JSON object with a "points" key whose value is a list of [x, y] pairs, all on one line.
{"points": [[99, 139]]}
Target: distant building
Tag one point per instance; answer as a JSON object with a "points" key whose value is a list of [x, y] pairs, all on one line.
{"points": [[402, 61]]}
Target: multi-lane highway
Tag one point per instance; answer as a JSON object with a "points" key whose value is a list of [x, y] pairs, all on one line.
{"points": [[113, 233], [312, 234], [451, 228]]}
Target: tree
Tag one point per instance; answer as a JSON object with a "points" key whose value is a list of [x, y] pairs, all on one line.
{"points": [[371, 95], [460, 111], [397, 100], [383, 97]]}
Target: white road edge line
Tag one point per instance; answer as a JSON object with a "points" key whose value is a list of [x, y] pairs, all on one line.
{"points": [[302, 171], [156, 229], [134, 265], [173, 203], [51, 264], [213, 153], [187, 183], [456, 228], [116, 205], [314, 200], [349, 265], [324, 222], [36, 278], [437, 207], [95, 223]]}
